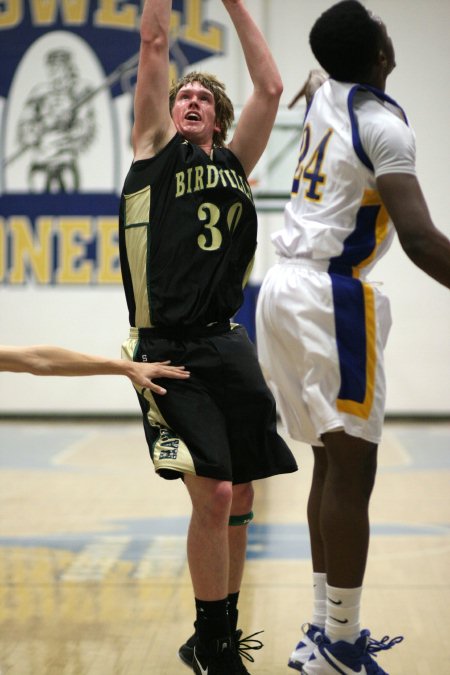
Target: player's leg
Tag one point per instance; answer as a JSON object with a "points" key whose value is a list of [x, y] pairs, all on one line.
{"points": [[207, 543], [314, 629], [344, 510], [313, 509], [208, 558], [344, 531], [240, 516]]}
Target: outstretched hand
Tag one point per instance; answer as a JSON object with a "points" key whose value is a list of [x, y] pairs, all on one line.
{"points": [[143, 374], [314, 80]]}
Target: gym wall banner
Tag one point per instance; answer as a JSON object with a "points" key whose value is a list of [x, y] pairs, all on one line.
{"points": [[66, 90]]}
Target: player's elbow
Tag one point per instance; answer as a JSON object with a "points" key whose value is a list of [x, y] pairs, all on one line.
{"points": [[274, 89], [39, 360], [420, 248], [39, 366], [412, 243], [269, 88]]}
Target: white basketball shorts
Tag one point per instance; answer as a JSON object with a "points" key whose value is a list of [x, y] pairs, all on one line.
{"points": [[320, 340]]}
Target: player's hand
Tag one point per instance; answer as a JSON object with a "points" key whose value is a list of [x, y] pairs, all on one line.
{"points": [[230, 3], [314, 80], [144, 373]]}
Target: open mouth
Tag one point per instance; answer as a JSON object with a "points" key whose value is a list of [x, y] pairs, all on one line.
{"points": [[193, 117]]}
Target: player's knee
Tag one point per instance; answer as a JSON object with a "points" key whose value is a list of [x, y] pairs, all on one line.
{"points": [[211, 499], [219, 500], [242, 499]]}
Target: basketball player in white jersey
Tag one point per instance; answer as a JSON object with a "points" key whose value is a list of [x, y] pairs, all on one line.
{"points": [[322, 327]]}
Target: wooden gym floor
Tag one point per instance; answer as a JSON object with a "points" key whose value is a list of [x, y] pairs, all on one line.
{"points": [[93, 572]]}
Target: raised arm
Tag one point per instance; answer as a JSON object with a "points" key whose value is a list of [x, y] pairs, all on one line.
{"points": [[258, 115], [49, 360], [153, 126], [424, 244]]}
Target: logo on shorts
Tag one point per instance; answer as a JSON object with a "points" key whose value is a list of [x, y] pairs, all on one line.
{"points": [[168, 444]]}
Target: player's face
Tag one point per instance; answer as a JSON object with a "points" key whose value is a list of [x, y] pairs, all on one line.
{"points": [[389, 51], [387, 47], [194, 113]]}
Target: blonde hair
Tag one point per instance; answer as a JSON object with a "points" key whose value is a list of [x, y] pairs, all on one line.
{"points": [[223, 106]]}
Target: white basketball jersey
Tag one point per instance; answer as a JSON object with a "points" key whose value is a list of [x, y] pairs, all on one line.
{"points": [[351, 135]]}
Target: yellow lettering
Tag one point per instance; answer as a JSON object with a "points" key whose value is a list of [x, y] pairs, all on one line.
{"points": [[240, 181], [189, 179], [114, 13], [180, 184], [242, 184], [44, 12], [199, 171], [212, 176], [222, 178], [108, 251], [11, 13], [72, 268], [194, 30], [30, 250], [230, 178], [234, 216]]}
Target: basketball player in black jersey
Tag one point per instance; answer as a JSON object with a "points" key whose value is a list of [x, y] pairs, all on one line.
{"points": [[187, 240]]}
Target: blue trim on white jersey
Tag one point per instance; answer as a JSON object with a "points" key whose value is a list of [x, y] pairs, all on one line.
{"points": [[360, 243], [350, 323], [355, 130]]}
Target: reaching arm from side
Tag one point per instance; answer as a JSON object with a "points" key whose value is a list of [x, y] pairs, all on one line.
{"points": [[153, 126], [50, 360], [258, 115], [312, 83], [423, 243]]}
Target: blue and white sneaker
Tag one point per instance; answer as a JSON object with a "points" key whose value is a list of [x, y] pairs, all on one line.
{"points": [[344, 658], [311, 635]]}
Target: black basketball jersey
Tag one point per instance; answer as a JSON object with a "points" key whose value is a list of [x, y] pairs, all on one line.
{"points": [[187, 233]]}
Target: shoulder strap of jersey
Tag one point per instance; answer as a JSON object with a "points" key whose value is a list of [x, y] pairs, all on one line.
{"points": [[354, 122]]}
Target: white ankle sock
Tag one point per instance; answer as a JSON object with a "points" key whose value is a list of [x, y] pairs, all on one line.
{"points": [[320, 599], [343, 607]]}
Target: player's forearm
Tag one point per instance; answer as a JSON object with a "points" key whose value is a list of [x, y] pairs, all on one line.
{"points": [[260, 63], [47, 360], [44, 360], [151, 112], [423, 243], [432, 255]]}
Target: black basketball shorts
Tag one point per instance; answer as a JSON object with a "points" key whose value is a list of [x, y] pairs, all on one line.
{"points": [[221, 422]]}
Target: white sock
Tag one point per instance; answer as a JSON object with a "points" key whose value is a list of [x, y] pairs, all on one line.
{"points": [[320, 599], [343, 606]]}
